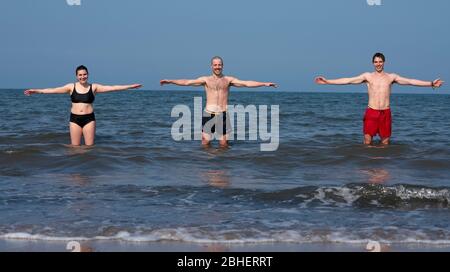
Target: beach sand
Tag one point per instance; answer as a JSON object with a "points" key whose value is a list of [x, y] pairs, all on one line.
{"points": [[16, 245]]}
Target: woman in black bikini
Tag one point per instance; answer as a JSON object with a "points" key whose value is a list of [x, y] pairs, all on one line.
{"points": [[82, 118]]}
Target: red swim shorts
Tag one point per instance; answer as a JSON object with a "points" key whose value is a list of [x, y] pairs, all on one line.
{"points": [[378, 122]]}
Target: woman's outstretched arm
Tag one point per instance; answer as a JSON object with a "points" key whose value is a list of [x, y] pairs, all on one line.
{"points": [[103, 88], [58, 90]]}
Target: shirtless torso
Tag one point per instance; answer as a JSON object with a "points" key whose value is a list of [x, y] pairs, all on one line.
{"points": [[217, 90], [379, 89]]}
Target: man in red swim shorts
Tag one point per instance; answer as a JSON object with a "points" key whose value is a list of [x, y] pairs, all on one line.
{"points": [[378, 122], [377, 119]]}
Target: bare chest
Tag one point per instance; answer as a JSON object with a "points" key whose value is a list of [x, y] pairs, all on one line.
{"points": [[380, 84], [217, 85]]}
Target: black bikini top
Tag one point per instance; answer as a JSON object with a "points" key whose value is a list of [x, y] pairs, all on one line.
{"points": [[87, 98]]}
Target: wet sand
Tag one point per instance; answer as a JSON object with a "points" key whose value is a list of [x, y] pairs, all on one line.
{"points": [[16, 245]]}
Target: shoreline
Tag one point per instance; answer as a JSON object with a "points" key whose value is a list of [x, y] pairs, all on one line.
{"points": [[19, 245]]}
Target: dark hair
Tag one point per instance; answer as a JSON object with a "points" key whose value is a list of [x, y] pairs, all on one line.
{"points": [[378, 55], [81, 67], [216, 57]]}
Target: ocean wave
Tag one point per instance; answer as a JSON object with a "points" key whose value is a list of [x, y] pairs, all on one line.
{"points": [[357, 195], [364, 196], [253, 236]]}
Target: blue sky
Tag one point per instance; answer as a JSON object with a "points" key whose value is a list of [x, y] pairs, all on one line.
{"points": [[288, 42]]}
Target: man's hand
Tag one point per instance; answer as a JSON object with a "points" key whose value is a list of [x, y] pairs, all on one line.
{"points": [[136, 86], [30, 92], [164, 81], [271, 84], [321, 80], [437, 83]]}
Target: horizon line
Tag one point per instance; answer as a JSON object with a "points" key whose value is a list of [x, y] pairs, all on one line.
{"points": [[283, 91]]}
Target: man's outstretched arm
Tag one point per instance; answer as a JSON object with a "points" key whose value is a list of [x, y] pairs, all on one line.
{"points": [[415, 82], [250, 83], [342, 81], [184, 82]]}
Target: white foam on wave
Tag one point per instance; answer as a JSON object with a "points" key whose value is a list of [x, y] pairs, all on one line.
{"points": [[252, 236], [422, 193], [28, 236], [348, 196]]}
